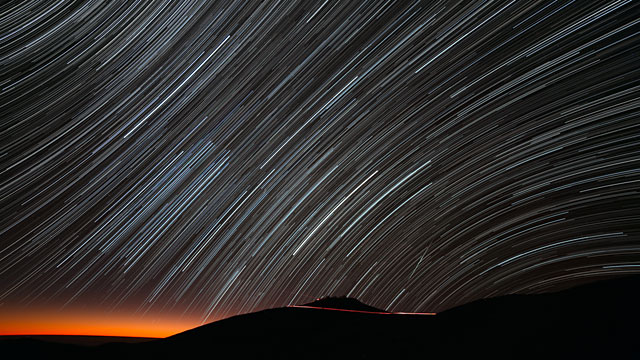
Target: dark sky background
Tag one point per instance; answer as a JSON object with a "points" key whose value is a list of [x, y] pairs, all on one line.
{"points": [[206, 159]]}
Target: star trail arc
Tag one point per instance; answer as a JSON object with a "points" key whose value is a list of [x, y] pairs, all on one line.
{"points": [[207, 159]]}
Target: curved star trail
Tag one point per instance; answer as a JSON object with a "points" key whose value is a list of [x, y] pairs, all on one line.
{"points": [[210, 159]]}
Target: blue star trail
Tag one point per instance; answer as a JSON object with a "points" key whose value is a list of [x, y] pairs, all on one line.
{"points": [[213, 158]]}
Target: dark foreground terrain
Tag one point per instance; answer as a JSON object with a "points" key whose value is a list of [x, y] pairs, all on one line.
{"points": [[599, 320]]}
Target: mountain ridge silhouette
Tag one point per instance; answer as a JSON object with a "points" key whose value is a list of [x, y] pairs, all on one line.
{"points": [[596, 320], [342, 303]]}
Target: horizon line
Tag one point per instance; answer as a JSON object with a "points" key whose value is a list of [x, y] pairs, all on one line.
{"points": [[361, 311]]}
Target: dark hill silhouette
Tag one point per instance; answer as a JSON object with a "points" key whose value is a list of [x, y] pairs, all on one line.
{"points": [[86, 340], [342, 303], [598, 320]]}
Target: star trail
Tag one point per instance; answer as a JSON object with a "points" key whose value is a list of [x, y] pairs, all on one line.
{"points": [[206, 159]]}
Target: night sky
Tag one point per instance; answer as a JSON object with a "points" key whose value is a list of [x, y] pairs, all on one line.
{"points": [[201, 160]]}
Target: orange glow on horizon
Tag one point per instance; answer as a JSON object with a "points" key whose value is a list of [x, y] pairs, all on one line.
{"points": [[91, 323]]}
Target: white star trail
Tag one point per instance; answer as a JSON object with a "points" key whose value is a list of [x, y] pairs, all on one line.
{"points": [[211, 158]]}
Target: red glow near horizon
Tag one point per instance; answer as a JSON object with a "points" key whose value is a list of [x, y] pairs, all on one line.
{"points": [[96, 323]]}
